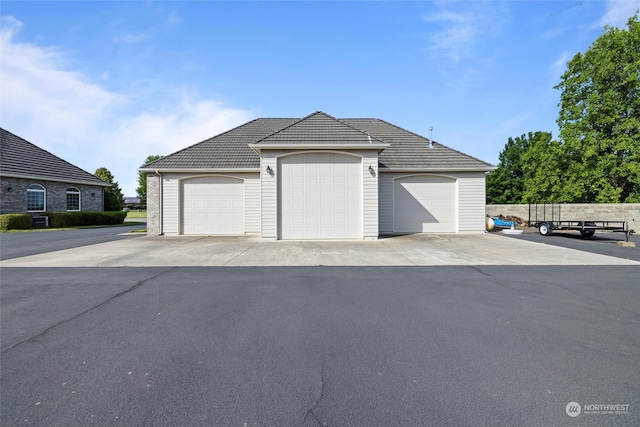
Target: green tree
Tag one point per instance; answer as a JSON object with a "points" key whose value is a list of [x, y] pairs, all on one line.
{"points": [[113, 198], [544, 168], [599, 120], [506, 183], [142, 179]]}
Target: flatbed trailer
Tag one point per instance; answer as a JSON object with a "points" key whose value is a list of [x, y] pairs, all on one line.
{"points": [[547, 218]]}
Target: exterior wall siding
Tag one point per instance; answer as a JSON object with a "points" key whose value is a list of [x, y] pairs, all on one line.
{"points": [[370, 195], [170, 203], [15, 201], [252, 203], [471, 199], [269, 192]]}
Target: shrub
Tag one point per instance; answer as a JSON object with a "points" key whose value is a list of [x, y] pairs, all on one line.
{"points": [[16, 222], [75, 219]]}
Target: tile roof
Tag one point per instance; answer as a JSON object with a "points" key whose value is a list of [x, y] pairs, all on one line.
{"points": [[318, 129], [21, 159], [227, 150], [230, 150], [409, 150]]}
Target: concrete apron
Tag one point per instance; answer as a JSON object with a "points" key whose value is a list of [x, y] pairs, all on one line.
{"points": [[417, 249]]}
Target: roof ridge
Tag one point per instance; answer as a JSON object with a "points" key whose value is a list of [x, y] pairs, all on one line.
{"points": [[319, 112]]}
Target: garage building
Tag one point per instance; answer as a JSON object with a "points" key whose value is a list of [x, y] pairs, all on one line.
{"points": [[318, 177]]}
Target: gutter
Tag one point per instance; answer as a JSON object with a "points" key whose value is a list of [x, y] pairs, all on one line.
{"points": [[100, 183], [439, 169]]}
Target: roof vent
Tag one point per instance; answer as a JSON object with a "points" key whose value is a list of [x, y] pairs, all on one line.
{"points": [[431, 137]]}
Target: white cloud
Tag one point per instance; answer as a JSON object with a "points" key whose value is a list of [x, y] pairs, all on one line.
{"points": [[170, 130], [63, 111], [40, 94], [618, 12], [459, 26]]}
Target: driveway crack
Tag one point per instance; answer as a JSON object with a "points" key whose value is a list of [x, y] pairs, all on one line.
{"points": [[317, 403], [238, 254], [119, 294]]}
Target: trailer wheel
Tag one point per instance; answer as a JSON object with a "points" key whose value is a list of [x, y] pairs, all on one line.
{"points": [[587, 232], [544, 229]]}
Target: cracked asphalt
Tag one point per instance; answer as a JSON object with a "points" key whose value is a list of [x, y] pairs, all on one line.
{"points": [[306, 346]]}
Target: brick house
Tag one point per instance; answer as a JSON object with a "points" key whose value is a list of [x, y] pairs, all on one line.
{"points": [[33, 181]]}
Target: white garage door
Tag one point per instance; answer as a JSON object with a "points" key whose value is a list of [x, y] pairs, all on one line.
{"points": [[320, 196], [213, 205], [424, 204]]}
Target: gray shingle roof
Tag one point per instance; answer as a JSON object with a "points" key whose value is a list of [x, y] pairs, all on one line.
{"points": [[22, 159], [231, 149]]}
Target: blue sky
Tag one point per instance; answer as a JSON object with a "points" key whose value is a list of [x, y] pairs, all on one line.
{"points": [[106, 83]]}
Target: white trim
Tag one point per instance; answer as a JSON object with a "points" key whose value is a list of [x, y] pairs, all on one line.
{"points": [[425, 174], [295, 153], [43, 190], [79, 193], [278, 183], [181, 197], [432, 170], [201, 170], [456, 198]]}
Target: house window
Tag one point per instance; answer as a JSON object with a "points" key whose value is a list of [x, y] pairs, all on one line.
{"points": [[73, 199], [36, 198]]}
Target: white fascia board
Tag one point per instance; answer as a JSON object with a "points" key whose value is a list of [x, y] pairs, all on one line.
{"points": [[51, 179], [198, 170], [364, 146], [389, 170]]}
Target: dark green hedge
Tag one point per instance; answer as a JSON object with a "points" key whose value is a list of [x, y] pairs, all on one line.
{"points": [[74, 219], [16, 222]]}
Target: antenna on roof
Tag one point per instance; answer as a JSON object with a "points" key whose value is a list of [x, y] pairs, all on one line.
{"points": [[431, 137]]}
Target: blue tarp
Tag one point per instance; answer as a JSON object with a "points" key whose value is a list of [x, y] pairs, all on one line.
{"points": [[501, 223]]}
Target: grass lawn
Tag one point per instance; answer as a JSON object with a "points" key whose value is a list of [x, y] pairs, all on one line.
{"points": [[135, 214]]}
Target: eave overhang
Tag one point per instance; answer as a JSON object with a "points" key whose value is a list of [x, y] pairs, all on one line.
{"points": [[53, 179], [383, 169], [199, 170]]}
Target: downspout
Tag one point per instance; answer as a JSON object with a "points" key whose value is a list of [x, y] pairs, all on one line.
{"points": [[161, 232]]}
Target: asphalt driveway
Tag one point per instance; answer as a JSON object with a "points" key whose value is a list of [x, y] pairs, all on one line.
{"points": [[309, 346], [414, 330], [604, 243]]}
